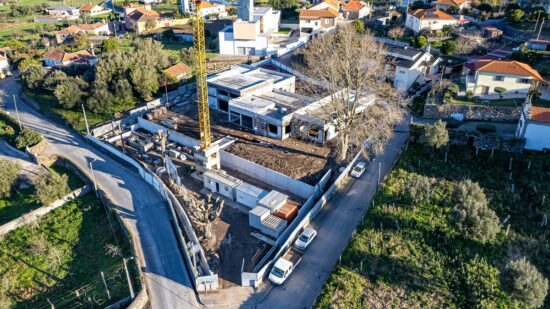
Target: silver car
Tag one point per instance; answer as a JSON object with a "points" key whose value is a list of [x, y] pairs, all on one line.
{"points": [[305, 238]]}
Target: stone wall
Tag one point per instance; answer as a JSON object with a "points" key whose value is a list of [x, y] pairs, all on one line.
{"points": [[486, 141], [473, 112]]}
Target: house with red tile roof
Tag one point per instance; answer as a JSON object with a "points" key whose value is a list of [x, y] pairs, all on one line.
{"points": [[483, 76], [534, 126], [91, 29], [356, 9], [459, 4], [179, 71], [92, 9], [54, 58], [216, 9], [429, 19], [320, 17]]}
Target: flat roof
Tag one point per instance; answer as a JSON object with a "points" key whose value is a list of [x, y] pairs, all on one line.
{"points": [[251, 190], [275, 104], [241, 77], [223, 178]]}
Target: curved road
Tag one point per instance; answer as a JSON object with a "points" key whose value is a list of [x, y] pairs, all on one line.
{"points": [[140, 206]]}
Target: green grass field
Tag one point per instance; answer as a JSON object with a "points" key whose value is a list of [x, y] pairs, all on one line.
{"points": [[407, 255], [60, 259]]}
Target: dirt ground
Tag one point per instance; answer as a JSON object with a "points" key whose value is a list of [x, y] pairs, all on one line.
{"points": [[298, 159]]}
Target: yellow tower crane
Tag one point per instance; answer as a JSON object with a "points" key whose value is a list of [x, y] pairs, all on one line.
{"points": [[200, 71]]}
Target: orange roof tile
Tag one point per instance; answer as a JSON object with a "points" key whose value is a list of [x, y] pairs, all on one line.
{"points": [[316, 14], [87, 7], [64, 57], [432, 14], [69, 30], [450, 2], [177, 70], [204, 5], [89, 27], [507, 67], [541, 114], [141, 14], [354, 5]]}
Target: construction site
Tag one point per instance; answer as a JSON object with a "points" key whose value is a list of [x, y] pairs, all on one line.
{"points": [[244, 154]]}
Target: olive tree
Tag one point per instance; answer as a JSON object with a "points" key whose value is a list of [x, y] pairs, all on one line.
{"points": [[350, 67], [418, 188], [472, 215], [7, 177], [525, 283], [437, 135], [50, 187]]}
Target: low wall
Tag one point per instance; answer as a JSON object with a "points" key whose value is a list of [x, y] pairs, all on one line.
{"points": [[202, 283], [40, 212], [266, 175], [486, 141], [174, 136], [473, 112]]}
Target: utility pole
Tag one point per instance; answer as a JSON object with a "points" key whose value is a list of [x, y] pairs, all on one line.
{"points": [[130, 287], [17, 113], [537, 23], [85, 120], [105, 284], [540, 29]]}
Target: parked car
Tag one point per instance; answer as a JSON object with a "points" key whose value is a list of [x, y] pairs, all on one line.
{"points": [[285, 265], [358, 169], [305, 238]]}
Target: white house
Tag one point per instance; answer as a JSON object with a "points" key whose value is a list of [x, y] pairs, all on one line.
{"points": [[208, 9], [356, 9], [252, 36], [412, 66], [92, 9], [483, 76], [459, 4], [91, 29], [534, 126], [320, 17], [55, 58], [63, 11], [431, 20], [4, 66]]}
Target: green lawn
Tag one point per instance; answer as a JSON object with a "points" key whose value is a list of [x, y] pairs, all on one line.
{"points": [[284, 31], [413, 257], [60, 259], [499, 102]]}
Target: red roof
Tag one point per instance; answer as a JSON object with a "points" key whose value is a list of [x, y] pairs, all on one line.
{"points": [[354, 5], [178, 70], [541, 114], [432, 14], [65, 57], [539, 41]]}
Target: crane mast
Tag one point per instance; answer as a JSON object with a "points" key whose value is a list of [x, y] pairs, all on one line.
{"points": [[200, 71]]}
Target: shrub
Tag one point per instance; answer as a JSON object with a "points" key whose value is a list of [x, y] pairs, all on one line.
{"points": [[418, 188], [525, 283], [469, 94], [7, 177], [453, 89], [472, 215], [27, 138], [51, 187], [486, 128]]}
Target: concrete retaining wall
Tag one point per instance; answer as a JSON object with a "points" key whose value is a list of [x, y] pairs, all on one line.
{"points": [[174, 136], [40, 212], [473, 112], [265, 174]]}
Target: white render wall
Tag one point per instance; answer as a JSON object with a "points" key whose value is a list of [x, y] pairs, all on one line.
{"points": [[537, 136], [229, 46], [313, 24], [510, 83], [417, 25]]}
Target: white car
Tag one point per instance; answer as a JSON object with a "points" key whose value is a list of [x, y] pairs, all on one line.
{"points": [[305, 238], [358, 169]]}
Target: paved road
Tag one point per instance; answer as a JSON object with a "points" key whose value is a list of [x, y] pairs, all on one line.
{"points": [[167, 280], [335, 225]]}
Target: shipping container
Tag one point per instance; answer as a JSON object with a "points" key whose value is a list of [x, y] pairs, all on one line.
{"points": [[288, 211], [249, 195], [256, 215], [273, 200], [273, 226]]}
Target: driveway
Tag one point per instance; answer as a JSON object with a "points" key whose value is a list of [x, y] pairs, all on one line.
{"points": [[139, 205]]}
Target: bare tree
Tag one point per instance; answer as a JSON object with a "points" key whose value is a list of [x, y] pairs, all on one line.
{"points": [[396, 32], [203, 213], [466, 44], [113, 250], [350, 67]]}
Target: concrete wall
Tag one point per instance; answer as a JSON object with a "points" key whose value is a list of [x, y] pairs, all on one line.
{"points": [[174, 136], [38, 213], [537, 136], [266, 175]]}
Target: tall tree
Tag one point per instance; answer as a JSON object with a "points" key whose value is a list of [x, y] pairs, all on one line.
{"points": [[437, 135], [350, 66], [70, 93]]}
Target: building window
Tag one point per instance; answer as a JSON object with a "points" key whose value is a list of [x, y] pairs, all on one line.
{"points": [[401, 72], [272, 129], [498, 78], [524, 80], [223, 105]]}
